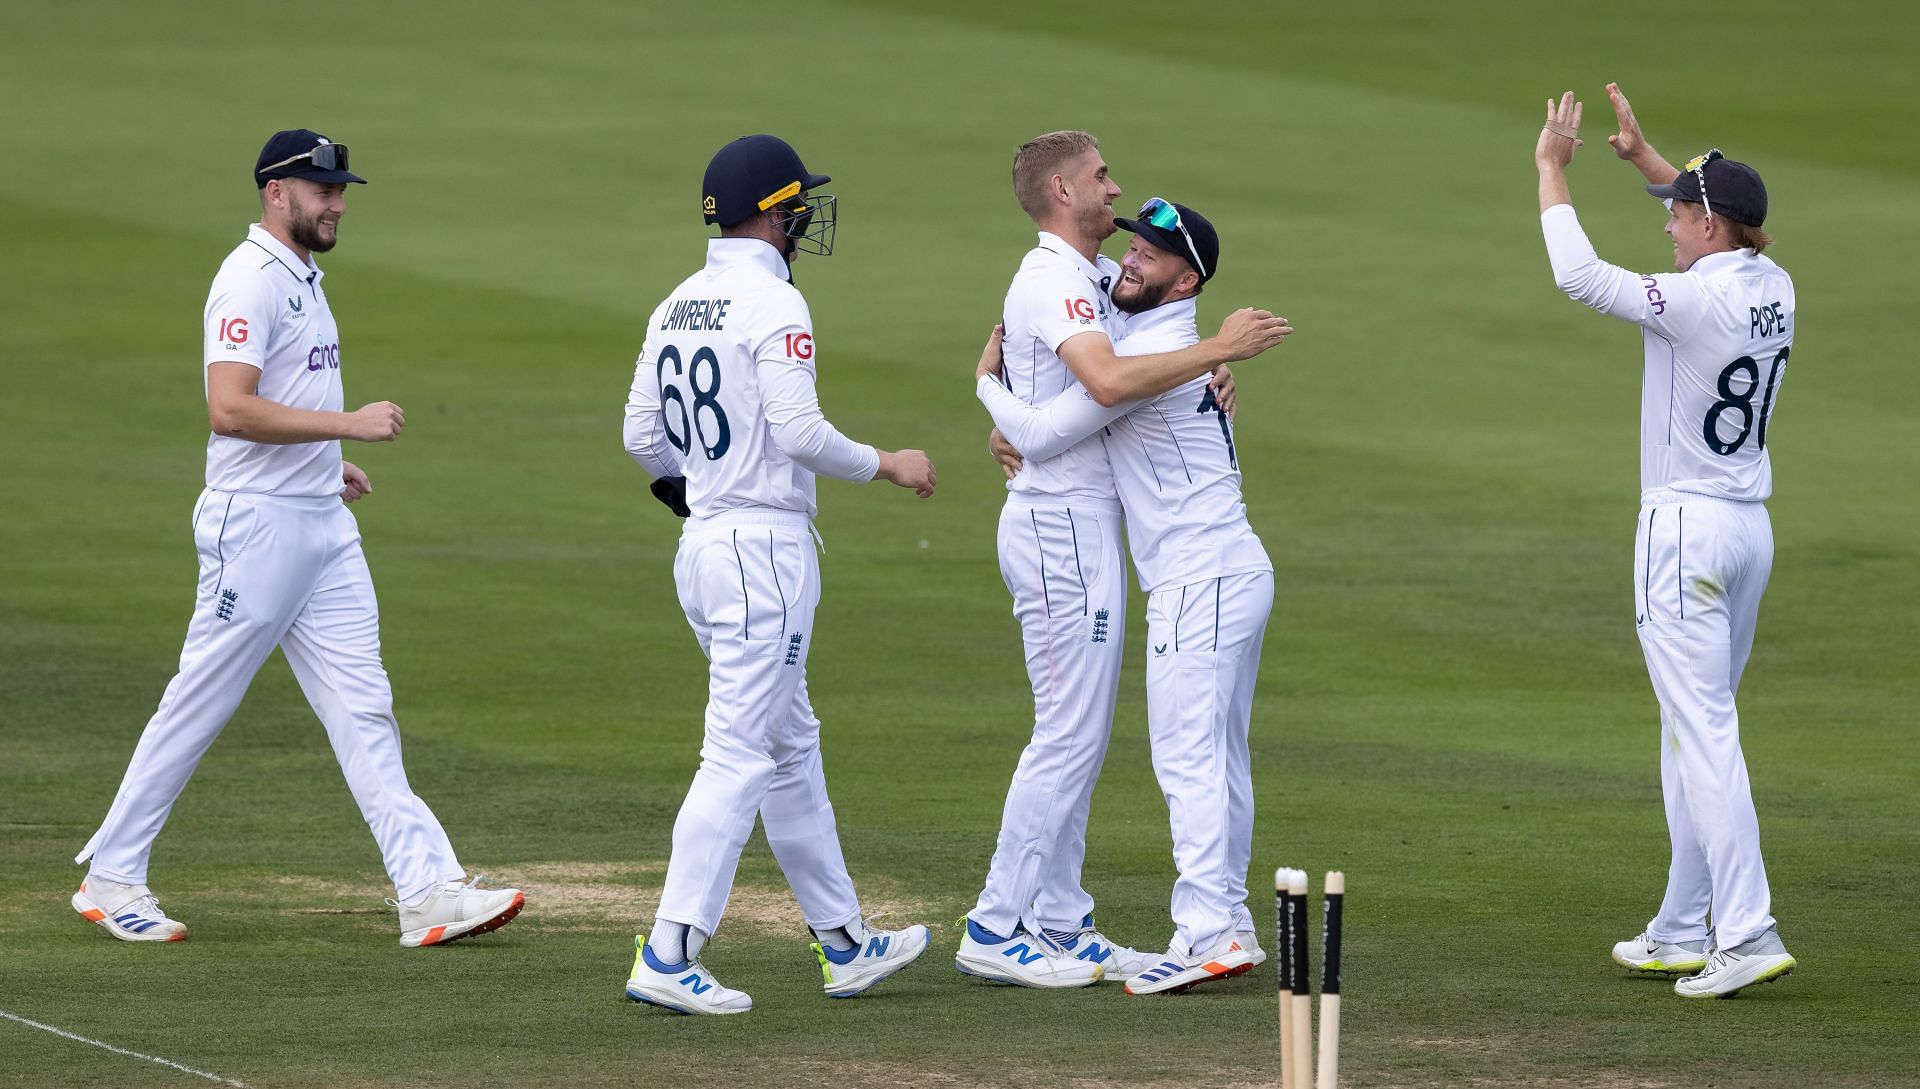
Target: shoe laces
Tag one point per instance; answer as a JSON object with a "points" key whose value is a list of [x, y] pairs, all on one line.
{"points": [[146, 905]]}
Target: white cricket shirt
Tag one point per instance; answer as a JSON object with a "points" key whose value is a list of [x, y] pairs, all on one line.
{"points": [[723, 392], [267, 310], [1717, 339], [1056, 295], [1173, 460]]}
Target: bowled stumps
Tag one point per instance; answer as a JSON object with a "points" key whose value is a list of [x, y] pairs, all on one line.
{"points": [[1297, 1066]]}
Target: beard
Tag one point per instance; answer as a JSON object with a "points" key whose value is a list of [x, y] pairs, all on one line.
{"points": [[1142, 298], [305, 230]]}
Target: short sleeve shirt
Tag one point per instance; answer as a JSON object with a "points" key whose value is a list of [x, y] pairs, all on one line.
{"points": [[1056, 295], [267, 310]]}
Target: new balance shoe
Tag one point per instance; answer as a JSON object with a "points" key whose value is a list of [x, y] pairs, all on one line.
{"points": [[1643, 954], [879, 954], [1115, 960], [1251, 943], [1762, 960], [455, 910], [1176, 973], [686, 987], [128, 912], [1024, 959]]}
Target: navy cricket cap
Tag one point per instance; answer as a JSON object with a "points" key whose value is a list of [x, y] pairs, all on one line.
{"points": [[1732, 189], [303, 153], [751, 175], [1206, 242]]}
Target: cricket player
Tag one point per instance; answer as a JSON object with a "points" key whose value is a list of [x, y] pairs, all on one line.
{"points": [[281, 565], [1207, 576], [1059, 546], [1717, 335], [724, 415]]}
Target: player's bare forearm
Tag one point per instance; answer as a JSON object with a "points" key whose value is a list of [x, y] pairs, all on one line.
{"points": [[1652, 166], [257, 419], [1112, 380], [235, 409], [1553, 187]]}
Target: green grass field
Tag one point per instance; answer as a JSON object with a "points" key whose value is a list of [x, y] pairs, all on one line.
{"points": [[1441, 461]]}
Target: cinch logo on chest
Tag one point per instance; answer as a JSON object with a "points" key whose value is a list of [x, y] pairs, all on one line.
{"points": [[323, 357]]}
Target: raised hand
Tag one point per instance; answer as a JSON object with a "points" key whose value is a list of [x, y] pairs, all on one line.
{"points": [[1628, 141], [1560, 136]]}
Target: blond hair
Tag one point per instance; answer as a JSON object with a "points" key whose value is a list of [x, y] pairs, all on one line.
{"points": [[1039, 159], [1745, 236]]}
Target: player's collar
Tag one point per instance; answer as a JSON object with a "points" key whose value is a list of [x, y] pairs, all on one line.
{"points": [[1053, 243], [1718, 258], [304, 271], [753, 252], [1181, 310]]}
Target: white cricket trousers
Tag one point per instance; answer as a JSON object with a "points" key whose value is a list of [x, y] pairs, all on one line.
{"points": [[1700, 567], [286, 572], [1203, 658], [749, 582], [1064, 567]]}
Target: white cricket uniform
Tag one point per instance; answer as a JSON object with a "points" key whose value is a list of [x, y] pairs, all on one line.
{"points": [[1210, 590], [280, 565], [723, 394], [1717, 339], [1059, 544]]}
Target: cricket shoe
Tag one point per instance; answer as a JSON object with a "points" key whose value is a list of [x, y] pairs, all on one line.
{"points": [[686, 987], [128, 912], [1643, 954], [880, 954], [1762, 960], [1025, 960], [455, 910], [1250, 942], [1176, 973], [1115, 960]]}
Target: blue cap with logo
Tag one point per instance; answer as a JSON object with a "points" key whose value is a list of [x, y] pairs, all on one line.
{"points": [[751, 175], [303, 153], [1725, 187], [1178, 230]]}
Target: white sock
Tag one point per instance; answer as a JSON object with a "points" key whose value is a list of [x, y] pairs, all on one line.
{"points": [[676, 943]]}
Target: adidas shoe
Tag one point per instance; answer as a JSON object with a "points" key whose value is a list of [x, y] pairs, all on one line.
{"points": [[1643, 954], [128, 912], [686, 987], [880, 954], [1762, 960], [1174, 974], [456, 910], [1116, 961], [1023, 959], [1251, 943]]}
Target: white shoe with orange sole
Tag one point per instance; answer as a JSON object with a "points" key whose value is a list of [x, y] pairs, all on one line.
{"points": [[128, 912], [1227, 958], [455, 910]]}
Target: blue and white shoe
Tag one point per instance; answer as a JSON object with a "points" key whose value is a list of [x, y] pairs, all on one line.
{"points": [[686, 987], [880, 954], [1023, 959], [1176, 973], [128, 912], [1118, 961]]}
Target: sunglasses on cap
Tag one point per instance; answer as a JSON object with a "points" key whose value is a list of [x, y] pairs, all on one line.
{"points": [[1163, 215], [325, 157], [1697, 166]]}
